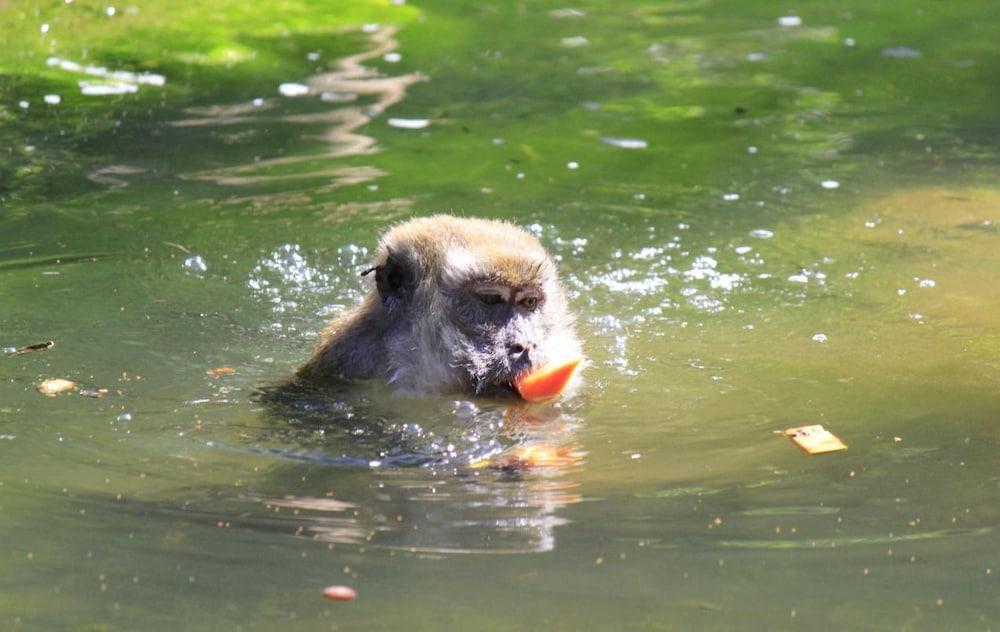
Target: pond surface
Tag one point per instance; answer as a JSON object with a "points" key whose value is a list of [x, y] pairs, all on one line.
{"points": [[765, 218]]}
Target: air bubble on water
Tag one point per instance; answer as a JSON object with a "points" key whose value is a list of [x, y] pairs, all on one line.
{"points": [[337, 97], [819, 338], [761, 233], [195, 263], [901, 52], [625, 143], [567, 13], [124, 418], [405, 123], [926, 282], [293, 89], [798, 278], [10, 350], [742, 250], [574, 41]]}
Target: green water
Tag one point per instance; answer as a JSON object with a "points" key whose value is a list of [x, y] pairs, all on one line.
{"points": [[672, 155]]}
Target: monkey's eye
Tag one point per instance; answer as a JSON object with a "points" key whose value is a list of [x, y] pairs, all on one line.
{"points": [[490, 298], [529, 303]]}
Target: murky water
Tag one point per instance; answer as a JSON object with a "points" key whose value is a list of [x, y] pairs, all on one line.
{"points": [[765, 219]]}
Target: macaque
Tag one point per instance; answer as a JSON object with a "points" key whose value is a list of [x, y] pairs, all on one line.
{"points": [[457, 305]]}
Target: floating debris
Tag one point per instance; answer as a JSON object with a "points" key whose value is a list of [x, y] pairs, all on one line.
{"points": [[761, 233], [819, 338], [55, 386], [96, 393], [789, 20], [814, 439], [567, 13], [574, 42], [38, 346], [220, 371], [52, 99], [340, 593], [96, 89], [730, 197], [830, 184]]}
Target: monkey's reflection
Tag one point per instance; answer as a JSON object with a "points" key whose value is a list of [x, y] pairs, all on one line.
{"points": [[426, 475]]}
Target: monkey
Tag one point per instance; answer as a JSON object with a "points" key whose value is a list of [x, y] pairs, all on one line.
{"points": [[456, 305]]}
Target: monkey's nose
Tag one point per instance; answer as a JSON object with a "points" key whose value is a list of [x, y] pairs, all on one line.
{"points": [[519, 352], [520, 357]]}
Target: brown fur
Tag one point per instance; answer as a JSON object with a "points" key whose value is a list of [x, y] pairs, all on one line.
{"points": [[421, 326]]}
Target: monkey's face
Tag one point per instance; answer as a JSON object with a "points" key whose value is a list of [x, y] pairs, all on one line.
{"points": [[469, 304], [498, 332]]}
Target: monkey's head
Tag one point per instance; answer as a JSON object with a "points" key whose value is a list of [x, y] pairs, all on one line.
{"points": [[466, 304]]}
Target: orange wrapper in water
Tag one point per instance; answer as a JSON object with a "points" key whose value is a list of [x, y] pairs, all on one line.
{"points": [[548, 382], [340, 593], [815, 439]]}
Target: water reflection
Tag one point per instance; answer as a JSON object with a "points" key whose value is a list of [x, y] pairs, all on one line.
{"points": [[347, 81], [433, 476]]}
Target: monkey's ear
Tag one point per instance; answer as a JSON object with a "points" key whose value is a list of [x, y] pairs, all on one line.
{"points": [[393, 278]]}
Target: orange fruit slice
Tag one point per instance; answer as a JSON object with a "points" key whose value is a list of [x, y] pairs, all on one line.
{"points": [[547, 382]]}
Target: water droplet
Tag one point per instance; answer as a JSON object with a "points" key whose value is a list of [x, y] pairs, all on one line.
{"points": [[403, 123], [293, 89], [789, 20]]}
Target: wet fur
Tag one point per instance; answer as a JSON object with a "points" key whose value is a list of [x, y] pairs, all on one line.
{"points": [[422, 330]]}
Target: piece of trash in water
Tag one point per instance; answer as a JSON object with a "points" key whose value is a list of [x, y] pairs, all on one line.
{"points": [[222, 370], [814, 439], [404, 123], [38, 346], [55, 386], [94, 392], [340, 593]]}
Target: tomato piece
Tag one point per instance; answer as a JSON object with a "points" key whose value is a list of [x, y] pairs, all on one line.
{"points": [[547, 382]]}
